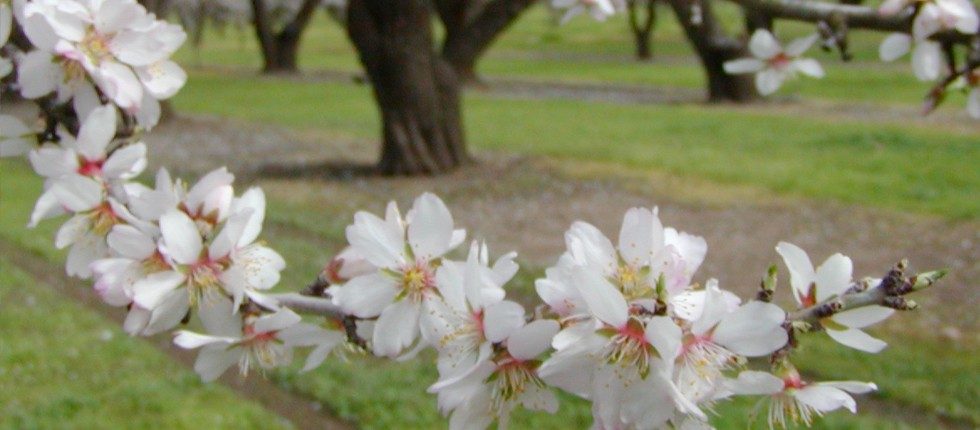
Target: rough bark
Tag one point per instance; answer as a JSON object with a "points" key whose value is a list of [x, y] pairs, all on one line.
{"points": [[280, 48], [417, 91], [643, 28], [714, 48], [472, 27]]}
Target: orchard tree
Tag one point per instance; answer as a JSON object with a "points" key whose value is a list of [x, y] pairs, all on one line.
{"points": [[623, 325], [642, 20]]}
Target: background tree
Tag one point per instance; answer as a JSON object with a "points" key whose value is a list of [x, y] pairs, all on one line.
{"points": [[642, 20], [279, 27]]}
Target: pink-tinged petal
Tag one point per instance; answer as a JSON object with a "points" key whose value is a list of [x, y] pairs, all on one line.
{"points": [[500, 320], [713, 308], [397, 328], [72, 231], [430, 227], [116, 15], [198, 194], [895, 46], [39, 32], [640, 231], [691, 248], [130, 242], [224, 244], [53, 161], [96, 132], [366, 296], [162, 79], [533, 339], [744, 65], [863, 317], [927, 21], [755, 383], [967, 21], [254, 200], [927, 61], [219, 318], [666, 337], [809, 67], [833, 276], [126, 162], [763, 45], [78, 193], [801, 273], [381, 243], [213, 361], [858, 340], [190, 340], [855, 387], [825, 398], [37, 75], [171, 310], [81, 255], [798, 46], [120, 84], [181, 238], [605, 302], [151, 290], [148, 114], [768, 81], [278, 321], [753, 330], [47, 206], [590, 247], [136, 320]]}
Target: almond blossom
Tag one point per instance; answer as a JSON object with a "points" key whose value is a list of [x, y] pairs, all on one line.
{"points": [[772, 64], [598, 9], [471, 314], [794, 400], [121, 47], [406, 253], [496, 384], [262, 342], [832, 278], [933, 16]]}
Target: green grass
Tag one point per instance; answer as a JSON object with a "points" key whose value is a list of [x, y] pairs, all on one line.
{"points": [[917, 370], [888, 165], [585, 51], [63, 365]]}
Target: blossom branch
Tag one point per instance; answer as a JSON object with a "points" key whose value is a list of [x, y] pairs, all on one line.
{"points": [[889, 293], [309, 304]]}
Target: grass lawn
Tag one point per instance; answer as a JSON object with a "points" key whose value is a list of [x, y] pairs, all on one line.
{"points": [[378, 394]]}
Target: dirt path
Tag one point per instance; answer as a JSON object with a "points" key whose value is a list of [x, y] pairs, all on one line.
{"points": [[303, 413]]}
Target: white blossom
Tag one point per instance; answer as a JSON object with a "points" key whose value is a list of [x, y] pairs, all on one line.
{"points": [[772, 64]]}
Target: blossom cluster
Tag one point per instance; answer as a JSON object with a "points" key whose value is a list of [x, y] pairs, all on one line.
{"points": [[623, 325]]}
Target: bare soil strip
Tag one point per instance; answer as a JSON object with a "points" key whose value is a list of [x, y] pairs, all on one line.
{"points": [[302, 412]]}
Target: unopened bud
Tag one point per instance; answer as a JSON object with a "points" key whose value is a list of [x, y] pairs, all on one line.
{"points": [[768, 286], [925, 280]]}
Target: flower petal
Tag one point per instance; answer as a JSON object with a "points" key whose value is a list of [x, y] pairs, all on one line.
{"points": [[430, 228], [502, 319], [605, 302], [894, 46], [530, 341], [858, 340], [754, 329], [366, 296], [744, 65], [397, 328], [180, 237], [763, 45]]}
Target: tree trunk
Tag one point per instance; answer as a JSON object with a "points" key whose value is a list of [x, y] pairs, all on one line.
{"points": [[714, 48], [643, 29], [280, 49], [755, 20], [470, 32], [417, 92]]}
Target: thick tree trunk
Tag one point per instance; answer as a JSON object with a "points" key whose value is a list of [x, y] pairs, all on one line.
{"points": [[755, 20], [471, 27], [714, 48], [280, 49], [643, 28], [416, 90]]}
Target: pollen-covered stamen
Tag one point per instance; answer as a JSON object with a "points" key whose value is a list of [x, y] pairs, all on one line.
{"points": [[103, 218], [512, 379], [633, 283], [264, 348], [96, 46], [628, 347], [416, 282], [780, 61], [204, 283]]}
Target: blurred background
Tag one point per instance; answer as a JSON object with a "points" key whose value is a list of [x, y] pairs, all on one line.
{"points": [[562, 122]]}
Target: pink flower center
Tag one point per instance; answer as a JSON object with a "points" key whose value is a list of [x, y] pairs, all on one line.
{"points": [[91, 168], [780, 61]]}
